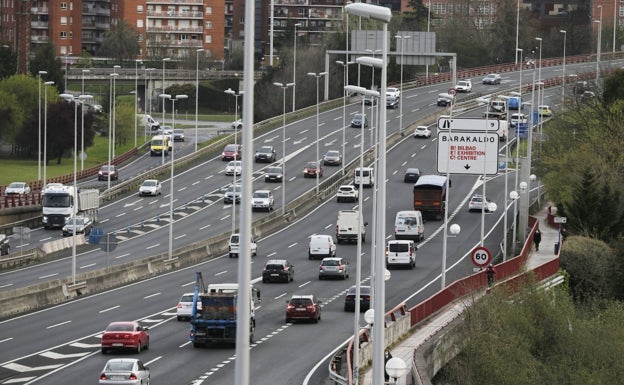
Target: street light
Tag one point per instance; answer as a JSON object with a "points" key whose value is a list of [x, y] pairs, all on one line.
{"points": [[136, 97], [45, 129], [294, 82], [111, 104], [345, 66], [384, 15], [197, 90], [563, 83], [173, 100], [615, 12], [402, 39], [318, 163], [115, 68], [164, 62], [396, 368], [539, 90], [149, 87], [82, 114], [39, 109], [284, 86], [230, 91], [599, 44]]}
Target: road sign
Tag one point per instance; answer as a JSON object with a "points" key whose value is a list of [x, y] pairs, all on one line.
{"points": [[522, 130], [481, 256], [452, 91], [561, 219], [468, 153], [445, 123], [21, 232]]}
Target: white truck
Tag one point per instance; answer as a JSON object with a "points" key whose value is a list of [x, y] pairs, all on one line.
{"points": [[59, 203], [148, 122], [348, 226]]}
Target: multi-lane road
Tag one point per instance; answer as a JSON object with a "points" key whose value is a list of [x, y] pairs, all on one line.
{"points": [[61, 343]]}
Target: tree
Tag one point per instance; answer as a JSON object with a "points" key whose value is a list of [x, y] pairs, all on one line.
{"points": [[19, 98], [121, 42], [85, 60], [8, 60], [46, 60], [60, 138], [614, 87]]}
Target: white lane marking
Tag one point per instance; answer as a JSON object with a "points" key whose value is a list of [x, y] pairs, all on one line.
{"points": [[205, 227], [151, 295], [221, 272], [58, 324], [280, 296], [87, 266], [122, 256], [109, 309], [151, 247], [180, 236], [305, 283], [48, 276], [293, 245]]}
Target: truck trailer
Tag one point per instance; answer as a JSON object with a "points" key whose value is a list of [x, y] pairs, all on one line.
{"points": [[215, 321], [430, 196], [59, 203]]}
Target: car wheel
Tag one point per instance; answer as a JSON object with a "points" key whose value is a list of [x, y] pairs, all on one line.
{"points": [[264, 280], [146, 347], [287, 320], [138, 348], [179, 318], [320, 277], [104, 350], [315, 320]]}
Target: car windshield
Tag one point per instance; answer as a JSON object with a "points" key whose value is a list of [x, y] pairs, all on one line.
{"points": [[119, 366], [311, 165], [261, 194], [234, 239], [332, 153], [108, 168], [265, 149], [477, 200], [79, 221], [178, 131], [53, 200], [300, 301], [274, 170], [331, 262], [357, 117], [231, 147], [234, 188], [17, 185], [235, 163], [187, 298], [120, 327], [274, 266], [150, 183], [398, 247], [408, 221]]}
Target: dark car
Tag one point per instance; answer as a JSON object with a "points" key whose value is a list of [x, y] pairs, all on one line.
{"points": [[232, 152], [492, 79], [411, 175], [332, 158], [265, 154], [358, 119], [178, 135], [370, 100], [233, 194], [303, 307], [273, 174], [107, 172], [311, 169], [392, 102], [5, 248], [279, 270], [365, 298]]}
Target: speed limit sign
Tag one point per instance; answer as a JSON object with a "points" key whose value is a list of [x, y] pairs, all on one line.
{"points": [[481, 256], [452, 91]]}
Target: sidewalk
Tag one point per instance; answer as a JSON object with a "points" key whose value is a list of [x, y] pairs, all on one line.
{"points": [[405, 349]]}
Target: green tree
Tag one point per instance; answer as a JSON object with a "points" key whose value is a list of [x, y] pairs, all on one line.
{"points": [[46, 60], [120, 43], [614, 87], [19, 96], [124, 123], [85, 60], [8, 60], [10, 113]]}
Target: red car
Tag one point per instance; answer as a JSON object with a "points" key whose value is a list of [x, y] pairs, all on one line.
{"points": [[303, 307], [232, 152], [125, 335], [311, 168]]}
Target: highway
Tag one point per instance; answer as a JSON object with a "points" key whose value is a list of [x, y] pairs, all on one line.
{"points": [[61, 342]]}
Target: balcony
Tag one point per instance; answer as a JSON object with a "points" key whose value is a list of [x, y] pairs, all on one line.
{"points": [[39, 24], [175, 43], [39, 10], [102, 25], [177, 15], [103, 11], [39, 39], [199, 2], [291, 2], [174, 29]]}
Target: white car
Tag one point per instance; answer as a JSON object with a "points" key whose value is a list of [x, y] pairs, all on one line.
{"points": [[262, 200], [393, 92], [347, 193], [235, 167], [184, 307], [150, 187], [422, 132], [17, 188], [129, 371], [517, 118], [464, 86]]}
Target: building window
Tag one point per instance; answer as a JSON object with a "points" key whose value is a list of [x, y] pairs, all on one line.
{"points": [[63, 35], [208, 39], [63, 5], [71, 35], [63, 20], [63, 50], [139, 23], [208, 24], [139, 38], [208, 10], [139, 8]]}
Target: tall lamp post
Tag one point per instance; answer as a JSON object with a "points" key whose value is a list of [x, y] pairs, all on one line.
{"points": [[45, 129], [164, 62], [110, 122], [198, 51], [318, 163], [39, 141], [615, 13], [345, 66], [148, 106], [598, 45], [136, 97], [401, 39], [115, 68], [563, 77], [173, 101], [230, 91], [294, 82], [284, 87], [540, 89], [384, 15], [82, 113]]}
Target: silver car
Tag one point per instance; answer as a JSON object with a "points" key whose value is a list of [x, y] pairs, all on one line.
{"points": [[150, 187], [334, 268], [125, 371]]}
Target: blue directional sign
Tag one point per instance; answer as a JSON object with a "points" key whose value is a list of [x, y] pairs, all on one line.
{"points": [[522, 130], [96, 235]]}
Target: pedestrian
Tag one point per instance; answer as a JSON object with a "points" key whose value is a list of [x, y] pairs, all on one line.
{"points": [[387, 356], [491, 273], [537, 238]]}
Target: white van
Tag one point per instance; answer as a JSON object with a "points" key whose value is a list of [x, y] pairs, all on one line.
{"points": [[321, 246], [347, 226], [409, 225], [401, 253], [366, 177], [148, 122]]}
